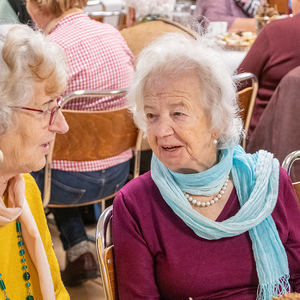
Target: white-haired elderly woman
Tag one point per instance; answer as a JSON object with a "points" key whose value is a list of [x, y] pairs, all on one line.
{"points": [[208, 221], [33, 73], [143, 10]]}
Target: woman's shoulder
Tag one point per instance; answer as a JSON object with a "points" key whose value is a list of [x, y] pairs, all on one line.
{"points": [[141, 183], [287, 198], [286, 26], [141, 189], [31, 188], [284, 178], [33, 195]]}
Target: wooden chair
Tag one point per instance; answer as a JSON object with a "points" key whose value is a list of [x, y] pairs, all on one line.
{"points": [[247, 98], [93, 135], [287, 165], [105, 255], [282, 6], [140, 36]]}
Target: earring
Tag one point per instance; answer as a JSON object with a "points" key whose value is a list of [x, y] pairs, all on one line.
{"points": [[215, 142], [1, 157]]}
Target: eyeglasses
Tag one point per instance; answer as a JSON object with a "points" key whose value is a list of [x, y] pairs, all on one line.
{"points": [[53, 112]]}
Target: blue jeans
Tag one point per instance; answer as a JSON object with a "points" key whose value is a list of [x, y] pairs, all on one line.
{"points": [[79, 187]]}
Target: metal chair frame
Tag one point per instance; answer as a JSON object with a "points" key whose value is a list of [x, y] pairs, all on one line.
{"points": [[242, 77], [105, 254], [287, 165], [290, 159]]}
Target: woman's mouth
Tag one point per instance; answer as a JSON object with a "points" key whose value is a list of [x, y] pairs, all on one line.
{"points": [[171, 148], [45, 148]]}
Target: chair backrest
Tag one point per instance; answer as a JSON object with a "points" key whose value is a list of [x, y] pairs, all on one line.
{"points": [[247, 98], [282, 6], [140, 36], [105, 255], [93, 135], [287, 165]]}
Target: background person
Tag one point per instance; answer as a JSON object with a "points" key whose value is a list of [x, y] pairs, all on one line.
{"points": [[238, 14], [33, 74], [99, 59], [274, 53], [208, 221]]}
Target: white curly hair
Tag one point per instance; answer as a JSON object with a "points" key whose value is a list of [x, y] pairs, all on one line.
{"points": [[145, 7], [27, 57], [175, 54]]}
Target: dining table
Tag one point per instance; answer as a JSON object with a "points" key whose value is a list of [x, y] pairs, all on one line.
{"points": [[234, 58]]}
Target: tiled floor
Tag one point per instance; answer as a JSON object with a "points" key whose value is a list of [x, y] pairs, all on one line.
{"points": [[90, 290]]}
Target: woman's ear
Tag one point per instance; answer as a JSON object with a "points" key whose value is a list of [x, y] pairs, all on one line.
{"points": [[130, 17], [215, 135]]}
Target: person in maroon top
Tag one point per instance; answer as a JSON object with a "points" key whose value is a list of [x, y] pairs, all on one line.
{"points": [[274, 53], [208, 221]]}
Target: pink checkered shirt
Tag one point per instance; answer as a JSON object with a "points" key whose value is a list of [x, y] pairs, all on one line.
{"points": [[99, 59]]}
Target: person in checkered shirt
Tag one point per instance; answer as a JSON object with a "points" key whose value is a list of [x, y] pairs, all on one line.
{"points": [[99, 59]]}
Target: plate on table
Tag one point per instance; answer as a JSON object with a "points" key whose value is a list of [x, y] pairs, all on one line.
{"points": [[240, 41]]}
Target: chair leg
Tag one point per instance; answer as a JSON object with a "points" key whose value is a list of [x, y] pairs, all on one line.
{"points": [[103, 205]]}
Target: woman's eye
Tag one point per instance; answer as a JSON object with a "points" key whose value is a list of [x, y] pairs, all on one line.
{"points": [[177, 113], [149, 116]]}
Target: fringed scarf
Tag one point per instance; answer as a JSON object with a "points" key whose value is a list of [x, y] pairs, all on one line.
{"points": [[256, 180]]}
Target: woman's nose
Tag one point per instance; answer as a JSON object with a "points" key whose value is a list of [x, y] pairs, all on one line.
{"points": [[59, 125], [163, 128]]}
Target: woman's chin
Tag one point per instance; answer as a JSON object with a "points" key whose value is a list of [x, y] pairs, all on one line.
{"points": [[38, 165]]}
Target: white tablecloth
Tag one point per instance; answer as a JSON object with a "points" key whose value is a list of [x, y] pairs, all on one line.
{"points": [[235, 58]]}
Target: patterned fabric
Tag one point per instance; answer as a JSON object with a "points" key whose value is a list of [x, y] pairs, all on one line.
{"points": [[99, 59], [248, 6], [10, 259]]}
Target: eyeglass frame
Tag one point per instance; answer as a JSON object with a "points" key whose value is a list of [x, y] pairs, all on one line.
{"points": [[52, 112]]}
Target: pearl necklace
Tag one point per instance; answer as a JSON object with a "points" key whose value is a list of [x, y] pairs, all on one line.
{"points": [[211, 202]]}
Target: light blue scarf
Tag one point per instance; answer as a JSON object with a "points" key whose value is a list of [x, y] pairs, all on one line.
{"points": [[256, 180]]}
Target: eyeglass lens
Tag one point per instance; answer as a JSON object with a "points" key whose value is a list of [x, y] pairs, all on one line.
{"points": [[55, 110], [53, 114]]}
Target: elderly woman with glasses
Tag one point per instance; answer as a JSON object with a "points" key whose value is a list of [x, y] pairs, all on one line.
{"points": [[99, 59], [209, 221], [33, 73]]}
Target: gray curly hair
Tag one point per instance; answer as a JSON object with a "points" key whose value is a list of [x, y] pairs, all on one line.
{"points": [[175, 54], [27, 57]]}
